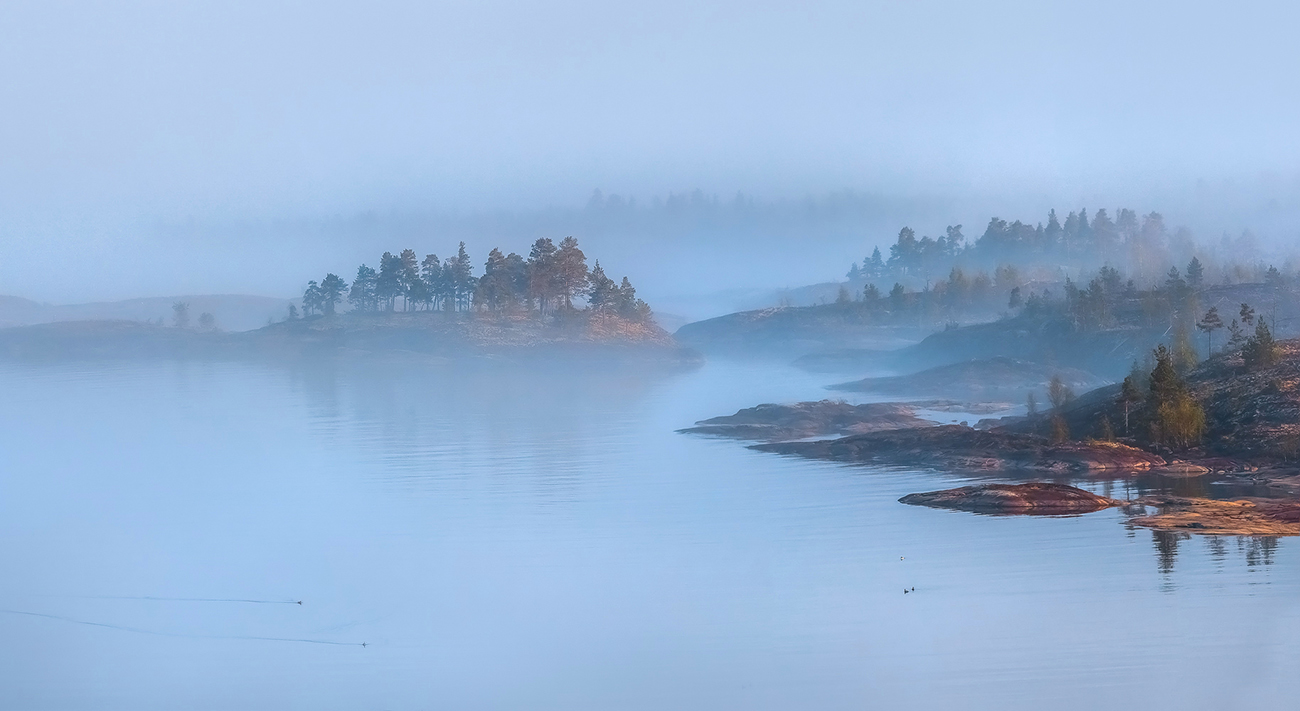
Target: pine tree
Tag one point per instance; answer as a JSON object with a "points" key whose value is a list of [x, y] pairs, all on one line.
{"points": [[1195, 273], [311, 299], [388, 285], [493, 289], [875, 265], [331, 292], [1210, 323], [1236, 336], [570, 271], [603, 293], [1166, 385], [458, 278], [362, 294], [408, 276], [1247, 315], [541, 272], [516, 270], [1260, 351], [431, 275]]}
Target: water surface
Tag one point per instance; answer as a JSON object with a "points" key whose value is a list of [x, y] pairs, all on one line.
{"points": [[505, 537]]}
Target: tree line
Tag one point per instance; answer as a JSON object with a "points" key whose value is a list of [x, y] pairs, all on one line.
{"points": [[552, 280], [1140, 243]]}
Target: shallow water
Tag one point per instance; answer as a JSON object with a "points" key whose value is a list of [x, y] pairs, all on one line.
{"points": [[504, 537]]}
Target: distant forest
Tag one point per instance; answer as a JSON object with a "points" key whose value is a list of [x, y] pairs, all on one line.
{"points": [[1142, 247], [1098, 272], [553, 280]]}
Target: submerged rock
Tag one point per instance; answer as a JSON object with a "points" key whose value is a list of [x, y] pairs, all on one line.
{"points": [[1036, 498]]}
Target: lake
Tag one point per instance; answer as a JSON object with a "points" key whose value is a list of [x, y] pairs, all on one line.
{"points": [[532, 536]]}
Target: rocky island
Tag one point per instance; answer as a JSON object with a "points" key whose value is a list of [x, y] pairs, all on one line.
{"points": [[549, 303]]}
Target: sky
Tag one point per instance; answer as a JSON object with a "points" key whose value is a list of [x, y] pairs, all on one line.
{"points": [[152, 148]]}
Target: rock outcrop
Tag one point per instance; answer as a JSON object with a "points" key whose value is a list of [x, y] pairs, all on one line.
{"points": [[1035, 498], [957, 447], [1245, 517], [774, 423]]}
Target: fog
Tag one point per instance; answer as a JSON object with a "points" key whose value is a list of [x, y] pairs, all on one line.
{"points": [[157, 148], [580, 355]]}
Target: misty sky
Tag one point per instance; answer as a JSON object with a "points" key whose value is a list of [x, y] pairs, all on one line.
{"points": [[139, 135]]}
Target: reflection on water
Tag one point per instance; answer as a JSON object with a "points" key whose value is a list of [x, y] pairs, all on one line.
{"points": [[535, 536]]}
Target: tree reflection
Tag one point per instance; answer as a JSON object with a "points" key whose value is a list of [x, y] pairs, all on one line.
{"points": [[1167, 549]]}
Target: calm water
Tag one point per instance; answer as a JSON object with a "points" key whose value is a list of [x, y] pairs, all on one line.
{"points": [[509, 538]]}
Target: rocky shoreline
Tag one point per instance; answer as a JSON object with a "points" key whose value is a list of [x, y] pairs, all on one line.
{"points": [[1240, 517], [959, 447], [439, 334]]}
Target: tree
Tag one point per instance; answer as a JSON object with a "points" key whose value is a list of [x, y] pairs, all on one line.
{"points": [[1031, 405], [1105, 432], [1185, 356], [408, 277], [541, 272], [493, 287], [897, 296], [603, 293], [842, 297], [1195, 273], [1181, 422], [431, 275], [362, 294], [516, 270], [1247, 315], [874, 266], [1129, 395], [293, 313], [1060, 429], [1260, 351], [181, 314], [870, 294], [1166, 384], [629, 306], [331, 292], [207, 322], [1210, 323], [1059, 393], [311, 299], [1236, 336], [388, 285], [570, 271], [1174, 283], [465, 279], [1015, 301]]}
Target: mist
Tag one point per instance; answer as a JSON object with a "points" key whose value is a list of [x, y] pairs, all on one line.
{"points": [[159, 148], [691, 355]]}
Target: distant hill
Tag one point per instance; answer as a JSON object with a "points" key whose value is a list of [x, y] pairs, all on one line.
{"points": [[233, 312]]}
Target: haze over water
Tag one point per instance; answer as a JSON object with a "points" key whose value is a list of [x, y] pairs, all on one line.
{"points": [[534, 536]]}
